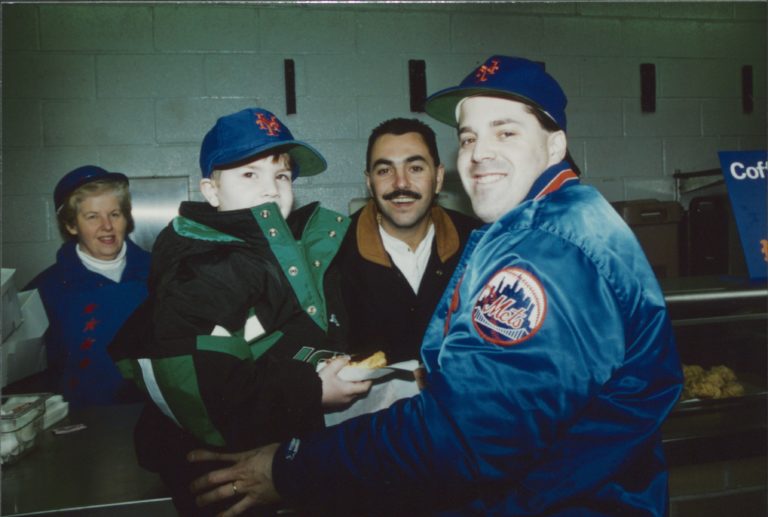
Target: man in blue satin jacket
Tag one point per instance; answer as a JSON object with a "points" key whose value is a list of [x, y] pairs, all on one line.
{"points": [[551, 360]]}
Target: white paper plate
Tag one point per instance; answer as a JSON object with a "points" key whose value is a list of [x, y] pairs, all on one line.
{"points": [[357, 373]]}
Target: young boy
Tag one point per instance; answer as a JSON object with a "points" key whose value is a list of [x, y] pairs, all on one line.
{"points": [[243, 302]]}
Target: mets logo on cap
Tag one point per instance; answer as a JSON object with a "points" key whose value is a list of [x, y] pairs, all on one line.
{"points": [[483, 71], [270, 125], [510, 308]]}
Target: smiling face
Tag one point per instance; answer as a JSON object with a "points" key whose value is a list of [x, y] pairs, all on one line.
{"points": [[502, 151], [252, 183], [403, 181], [100, 226]]}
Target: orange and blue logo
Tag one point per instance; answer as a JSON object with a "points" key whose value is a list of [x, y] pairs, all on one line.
{"points": [[510, 308], [270, 125], [485, 70]]}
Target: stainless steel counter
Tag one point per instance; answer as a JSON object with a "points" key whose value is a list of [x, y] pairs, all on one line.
{"points": [[89, 472], [719, 321]]}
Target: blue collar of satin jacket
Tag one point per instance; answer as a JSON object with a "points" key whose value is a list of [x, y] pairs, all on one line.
{"points": [[552, 179]]}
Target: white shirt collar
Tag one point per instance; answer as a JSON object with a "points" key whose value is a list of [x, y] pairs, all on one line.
{"points": [[411, 263]]}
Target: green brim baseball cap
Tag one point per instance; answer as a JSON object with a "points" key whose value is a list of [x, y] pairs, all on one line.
{"points": [[252, 132], [503, 76]]}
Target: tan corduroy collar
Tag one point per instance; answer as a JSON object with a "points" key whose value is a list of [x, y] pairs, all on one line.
{"points": [[372, 249]]}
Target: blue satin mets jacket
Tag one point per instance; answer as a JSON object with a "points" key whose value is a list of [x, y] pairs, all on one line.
{"points": [[551, 367]]}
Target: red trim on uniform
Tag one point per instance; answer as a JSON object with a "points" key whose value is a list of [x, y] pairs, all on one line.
{"points": [[453, 307], [557, 182]]}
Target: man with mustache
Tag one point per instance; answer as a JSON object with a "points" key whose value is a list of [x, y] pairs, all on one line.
{"points": [[401, 247], [550, 359]]}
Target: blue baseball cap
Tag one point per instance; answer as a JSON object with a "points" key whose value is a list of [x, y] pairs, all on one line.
{"points": [[251, 132], [503, 76], [75, 179]]}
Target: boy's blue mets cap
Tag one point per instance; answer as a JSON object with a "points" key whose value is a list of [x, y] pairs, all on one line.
{"points": [[75, 179], [251, 132], [503, 76]]}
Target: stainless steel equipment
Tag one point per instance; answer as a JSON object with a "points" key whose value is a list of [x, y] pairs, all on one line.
{"points": [[719, 321], [155, 202]]}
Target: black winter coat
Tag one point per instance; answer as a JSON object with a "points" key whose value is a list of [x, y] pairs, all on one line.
{"points": [[384, 312]]}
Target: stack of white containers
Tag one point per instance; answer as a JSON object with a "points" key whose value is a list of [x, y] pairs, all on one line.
{"points": [[23, 416], [23, 325]]}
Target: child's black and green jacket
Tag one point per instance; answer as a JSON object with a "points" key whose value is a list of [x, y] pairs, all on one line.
{"points": [[241, 306]]}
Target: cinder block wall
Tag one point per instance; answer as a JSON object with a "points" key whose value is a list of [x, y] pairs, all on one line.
{"points": [[134, 88]]}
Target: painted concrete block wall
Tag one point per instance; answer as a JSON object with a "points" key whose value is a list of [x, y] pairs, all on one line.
{"points": [[134, 87]]}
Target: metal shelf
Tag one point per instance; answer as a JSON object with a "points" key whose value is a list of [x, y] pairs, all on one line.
{"points": [[688, 322], [719, 320], [704, 289], [687, 182]]}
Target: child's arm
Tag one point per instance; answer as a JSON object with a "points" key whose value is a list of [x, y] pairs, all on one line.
{"points": [[337, 392]]}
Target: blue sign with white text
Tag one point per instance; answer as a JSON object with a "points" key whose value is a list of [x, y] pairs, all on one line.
{"points": [[745, 175]]}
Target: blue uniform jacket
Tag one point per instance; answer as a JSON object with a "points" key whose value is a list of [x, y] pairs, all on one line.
{"points": [[85, 310], [551, 367]]}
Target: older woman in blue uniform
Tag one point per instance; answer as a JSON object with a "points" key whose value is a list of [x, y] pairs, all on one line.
{"points": [[99, 278]]}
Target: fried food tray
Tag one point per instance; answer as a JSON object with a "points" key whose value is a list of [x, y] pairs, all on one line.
{"points": [[755, 393]]}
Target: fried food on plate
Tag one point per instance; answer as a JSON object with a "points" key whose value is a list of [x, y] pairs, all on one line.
{"points": [[377, 360]]}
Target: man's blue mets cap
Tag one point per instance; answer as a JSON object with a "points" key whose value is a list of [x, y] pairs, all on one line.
{"points": [[252, 132], [503, 76], [75, 179]]}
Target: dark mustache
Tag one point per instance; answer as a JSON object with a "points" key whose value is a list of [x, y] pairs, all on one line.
{"points": [[401, 193]]}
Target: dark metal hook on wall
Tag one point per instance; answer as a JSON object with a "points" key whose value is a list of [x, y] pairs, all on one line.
{"points": [[290, 86], [648, 88], [417, 81]]}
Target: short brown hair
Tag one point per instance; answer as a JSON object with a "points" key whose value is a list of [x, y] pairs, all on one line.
{"points": [[276, 155], [401, 126]]}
